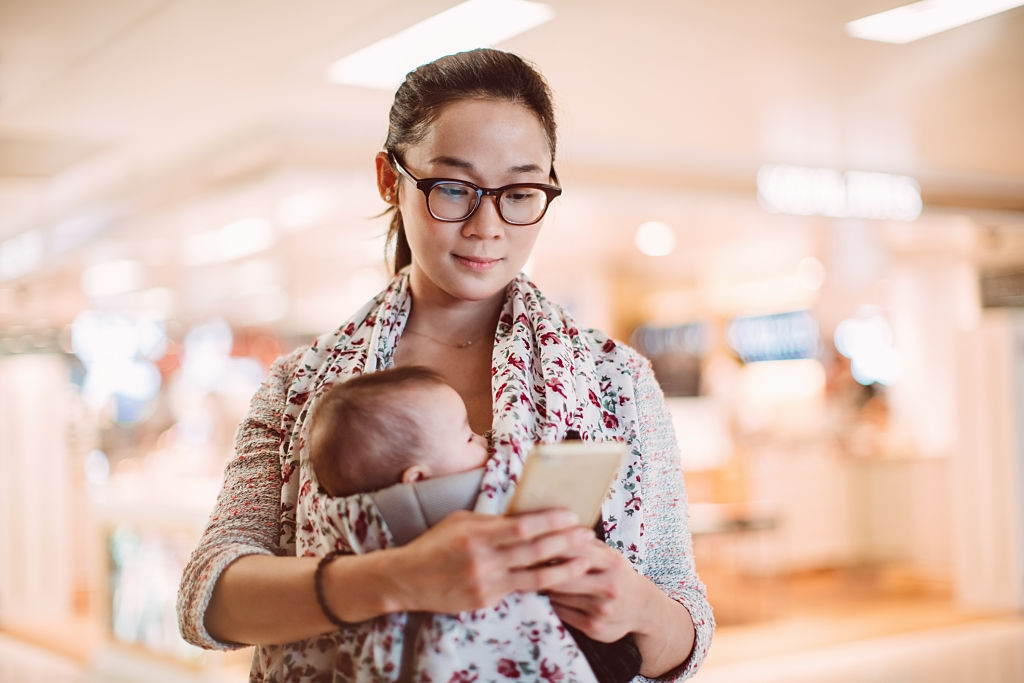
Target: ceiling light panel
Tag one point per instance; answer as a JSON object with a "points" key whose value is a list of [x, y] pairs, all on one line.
{"points": [[922, 19], [472, 24]]}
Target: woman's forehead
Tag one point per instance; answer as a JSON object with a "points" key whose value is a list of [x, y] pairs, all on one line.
{"points": [[477, 131]]}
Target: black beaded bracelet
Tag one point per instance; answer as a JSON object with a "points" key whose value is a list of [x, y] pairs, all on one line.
{"points": [[318, 583]]}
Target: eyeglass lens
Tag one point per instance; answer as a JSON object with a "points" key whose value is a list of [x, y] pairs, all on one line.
{"points": [[452, 201]]}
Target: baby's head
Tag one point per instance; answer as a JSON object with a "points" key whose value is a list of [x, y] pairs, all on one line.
{"points": [[396, 425]]}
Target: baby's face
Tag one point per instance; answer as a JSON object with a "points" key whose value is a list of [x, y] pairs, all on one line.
{"points": [[452, 445]]}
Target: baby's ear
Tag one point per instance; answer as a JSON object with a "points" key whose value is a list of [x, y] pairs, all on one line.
{"points": [[414, 473]]}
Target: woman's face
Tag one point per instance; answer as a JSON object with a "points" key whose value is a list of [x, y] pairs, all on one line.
{"points": [[490, 143]]}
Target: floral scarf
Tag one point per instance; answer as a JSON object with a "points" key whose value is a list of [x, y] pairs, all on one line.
{"points": [[548, 377]]}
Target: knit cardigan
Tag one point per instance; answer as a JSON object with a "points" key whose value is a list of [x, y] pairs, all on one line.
{"points": [[248, 515]]}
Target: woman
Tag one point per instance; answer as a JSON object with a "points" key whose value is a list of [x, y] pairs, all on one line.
{"points": [[458, 304]]}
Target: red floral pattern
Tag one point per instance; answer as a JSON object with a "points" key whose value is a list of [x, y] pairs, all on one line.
{"points": [[569, 380]]}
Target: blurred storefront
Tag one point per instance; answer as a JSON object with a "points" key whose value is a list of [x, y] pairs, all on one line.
{"points": [[186, 191], [846, 393]]}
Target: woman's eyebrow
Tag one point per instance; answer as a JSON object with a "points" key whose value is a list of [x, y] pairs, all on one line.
{"points": [[527, 168], [455, 162]]}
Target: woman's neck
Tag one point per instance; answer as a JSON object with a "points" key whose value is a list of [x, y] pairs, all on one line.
{"points": [[454, 321], [453, 327]]}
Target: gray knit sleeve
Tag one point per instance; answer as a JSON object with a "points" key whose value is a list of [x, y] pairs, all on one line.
{"points": [[669, 547], [247, 516]]}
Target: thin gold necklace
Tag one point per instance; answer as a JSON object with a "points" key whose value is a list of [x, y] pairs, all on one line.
{"points": [[460, 345]]}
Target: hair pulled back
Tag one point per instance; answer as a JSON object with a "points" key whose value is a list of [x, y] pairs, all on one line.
{"points": [[477, 74]]}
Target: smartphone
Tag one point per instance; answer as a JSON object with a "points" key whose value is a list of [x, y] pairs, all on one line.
{"points": [[572, 474]]}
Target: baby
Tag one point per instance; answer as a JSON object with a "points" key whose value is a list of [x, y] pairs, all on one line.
{"points": [[403, 437], [378, 431]]}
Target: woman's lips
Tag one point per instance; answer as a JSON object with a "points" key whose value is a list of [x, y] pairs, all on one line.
{"points": [[477, 263]]}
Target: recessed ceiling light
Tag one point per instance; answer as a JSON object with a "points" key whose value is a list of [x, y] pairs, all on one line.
{"points": [[925, 18], [472, 24], [655, 238]]}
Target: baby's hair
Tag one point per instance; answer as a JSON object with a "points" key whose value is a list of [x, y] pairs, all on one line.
{"points": [[364, 432]]}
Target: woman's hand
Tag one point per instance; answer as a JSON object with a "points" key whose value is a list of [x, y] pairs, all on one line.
{"points": [[605, 602], [471, 561], [612, 599]]}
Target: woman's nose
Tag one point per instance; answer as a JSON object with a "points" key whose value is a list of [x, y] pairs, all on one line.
{"points": [[485, 222]]}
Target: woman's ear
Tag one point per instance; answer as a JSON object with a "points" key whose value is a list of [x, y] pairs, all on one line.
{"points": [[387, 179], [414, 473]]}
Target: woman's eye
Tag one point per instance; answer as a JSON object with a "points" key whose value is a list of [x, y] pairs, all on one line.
{"points": [[523, 195], [453, 191]]}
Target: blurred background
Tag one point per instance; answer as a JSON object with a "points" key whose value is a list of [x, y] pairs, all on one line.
{"points": [[816, 236]]}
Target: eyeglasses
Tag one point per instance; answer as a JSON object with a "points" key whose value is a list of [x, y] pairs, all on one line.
{"points": [[454, 201]]}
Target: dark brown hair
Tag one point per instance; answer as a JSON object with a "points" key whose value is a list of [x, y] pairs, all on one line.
{"points": [[477, 74], [363, 433]]}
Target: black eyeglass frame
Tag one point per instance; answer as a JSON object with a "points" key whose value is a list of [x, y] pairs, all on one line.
{"points": [[426, 185]]}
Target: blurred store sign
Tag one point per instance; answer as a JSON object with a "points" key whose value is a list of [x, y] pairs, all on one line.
{"points": [[828, 192], [791, 335], [1001, 290], [675, 353]]}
